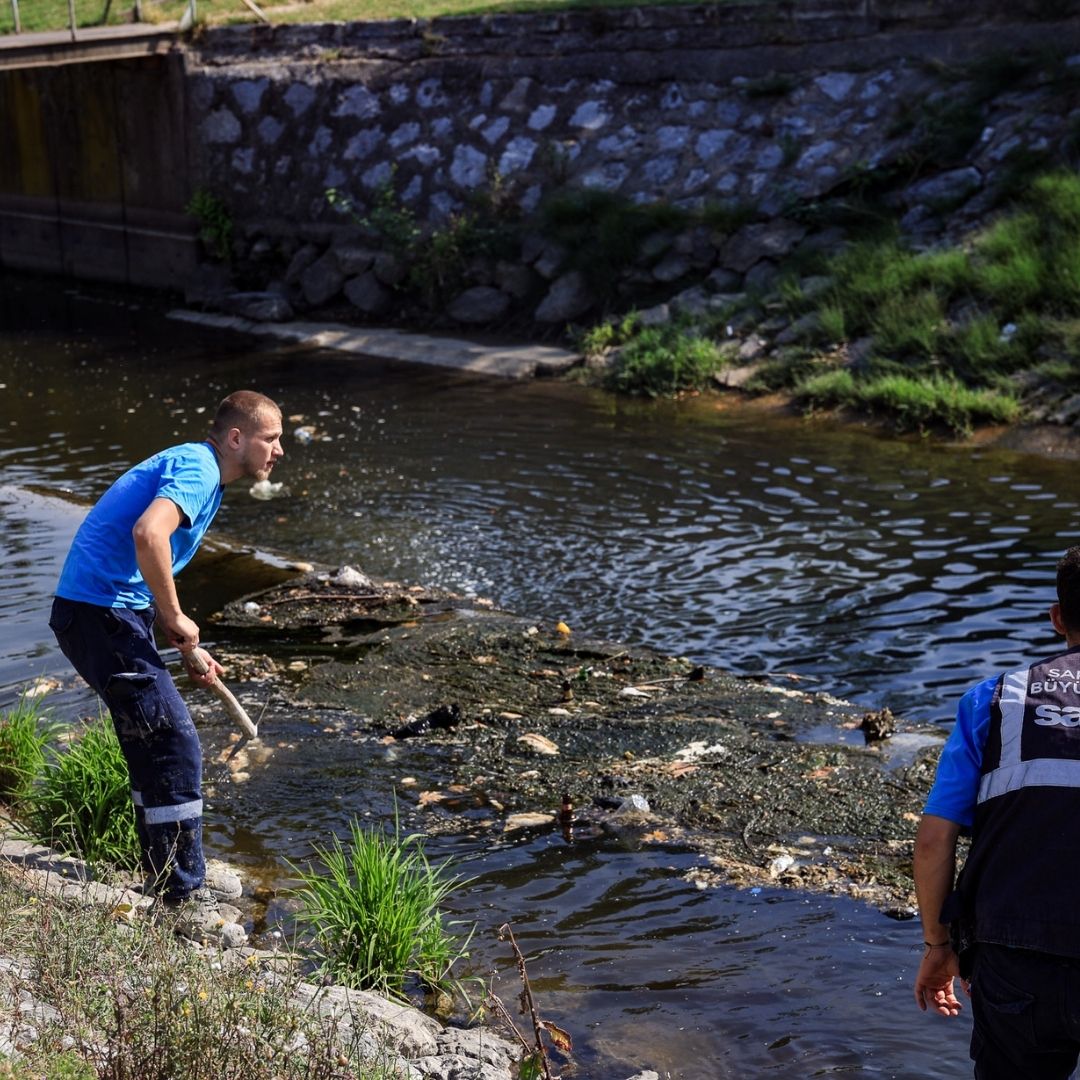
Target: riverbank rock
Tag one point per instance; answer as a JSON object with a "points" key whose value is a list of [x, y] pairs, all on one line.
{"points": [[423, 1047]]}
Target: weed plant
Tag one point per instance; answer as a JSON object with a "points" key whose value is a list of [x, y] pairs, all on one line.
{"points": [[82, 800], [664, 360], [132, 1002], [602, 232], [437, 258], [24, 734], [375, 908], [915, 404]]}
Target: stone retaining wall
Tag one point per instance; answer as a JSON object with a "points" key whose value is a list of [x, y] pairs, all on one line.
{"points": [[757, 111]]}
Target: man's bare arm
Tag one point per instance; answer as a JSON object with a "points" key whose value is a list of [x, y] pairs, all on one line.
{"points": [[935, 873], [153, 553]]}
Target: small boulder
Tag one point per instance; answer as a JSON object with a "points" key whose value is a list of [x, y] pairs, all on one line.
{"points": [[734, 378], [550, 260], [515, 279], [722, 280], [352, 259], [480, 304], [671, 267], [946, 189], [389, 269], [567, 298], [772, 240], [322, 280], [300, 262], [258, 306], [368, 295]]}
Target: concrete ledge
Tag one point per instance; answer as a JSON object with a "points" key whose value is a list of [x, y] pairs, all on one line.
{"points": [[506, 361]]}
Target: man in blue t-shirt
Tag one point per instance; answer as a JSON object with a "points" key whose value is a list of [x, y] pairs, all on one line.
{"points": [[1009, 926], [116, 584]]}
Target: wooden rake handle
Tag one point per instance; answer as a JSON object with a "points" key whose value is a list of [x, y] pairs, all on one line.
{"points": [[232, 706]]}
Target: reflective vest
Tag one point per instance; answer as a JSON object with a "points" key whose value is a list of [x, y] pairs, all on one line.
{"points": [[1021, 881]]}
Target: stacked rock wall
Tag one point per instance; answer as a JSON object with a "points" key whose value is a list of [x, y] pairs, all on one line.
{"points": [[761, 108]]}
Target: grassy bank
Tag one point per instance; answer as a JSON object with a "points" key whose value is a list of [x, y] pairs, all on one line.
{"points": [[941, 338], [116, 999], [36, 15]]}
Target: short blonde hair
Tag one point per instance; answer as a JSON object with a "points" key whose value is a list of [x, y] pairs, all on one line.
{"points": [[242, 409]]}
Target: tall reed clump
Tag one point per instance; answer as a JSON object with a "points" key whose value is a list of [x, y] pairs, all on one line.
{"points": [[375, 909], [132, 1002], [82, 800], [25, 731]]}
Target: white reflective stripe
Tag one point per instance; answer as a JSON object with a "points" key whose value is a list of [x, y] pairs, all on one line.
{"points": [[161, 815], [1039, 772], [1014, 687], [136, 797]]}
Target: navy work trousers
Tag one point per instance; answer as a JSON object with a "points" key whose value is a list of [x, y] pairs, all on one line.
{"points": [[113, 650], [1026, 1008]]}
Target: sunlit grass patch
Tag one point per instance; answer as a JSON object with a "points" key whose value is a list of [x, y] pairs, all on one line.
{"points": [[375, 908], [25, 731], [915, 403], [82, 801]]}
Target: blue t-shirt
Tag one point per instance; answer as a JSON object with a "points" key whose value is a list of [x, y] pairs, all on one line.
{"points": [[101, 567], [956, 787]]}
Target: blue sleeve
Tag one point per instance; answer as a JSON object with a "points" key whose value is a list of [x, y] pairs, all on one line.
{"points": [[956, 786], [191, 481]]}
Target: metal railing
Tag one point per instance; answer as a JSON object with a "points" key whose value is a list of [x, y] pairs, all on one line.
{"points": [[187, 19]]}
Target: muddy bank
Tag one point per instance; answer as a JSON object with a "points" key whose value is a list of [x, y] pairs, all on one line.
{"points": [[485, 722]]}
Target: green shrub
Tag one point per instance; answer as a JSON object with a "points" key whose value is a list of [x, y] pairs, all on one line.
{"points": [[602, 232], [938, 400], [24, 734], [82, 801], [664, 360], [979, 349], [215, 223], [909, 324], [831, 323], [827, 389], [375, 909]]}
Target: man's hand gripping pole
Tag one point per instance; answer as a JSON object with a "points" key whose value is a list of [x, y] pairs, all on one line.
{"points": [[232, 706]]}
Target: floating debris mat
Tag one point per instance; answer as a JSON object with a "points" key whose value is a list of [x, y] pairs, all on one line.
{"points": [[344, 598]]}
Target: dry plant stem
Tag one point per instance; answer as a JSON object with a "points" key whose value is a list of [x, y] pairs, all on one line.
{"points": [[527, 998], [500, 1010]]}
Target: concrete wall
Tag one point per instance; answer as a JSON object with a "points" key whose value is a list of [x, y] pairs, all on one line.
{"points": [[93, 171]]}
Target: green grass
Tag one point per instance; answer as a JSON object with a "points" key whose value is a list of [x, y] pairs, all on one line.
{"points": [[375, 909], [81, 802], [135, 1003], [915, 404], [940, 319], [664, 360], [53, 14], [25, 731]]}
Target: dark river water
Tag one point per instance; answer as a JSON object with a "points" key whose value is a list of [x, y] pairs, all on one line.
{"points": [[888, 573]]}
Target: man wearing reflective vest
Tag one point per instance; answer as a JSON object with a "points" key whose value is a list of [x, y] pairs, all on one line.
{"points": [[1010, 925]]}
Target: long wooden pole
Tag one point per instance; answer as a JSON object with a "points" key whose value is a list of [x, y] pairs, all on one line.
{"points": [[71, 17], [15, 13], [232, 706]]}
